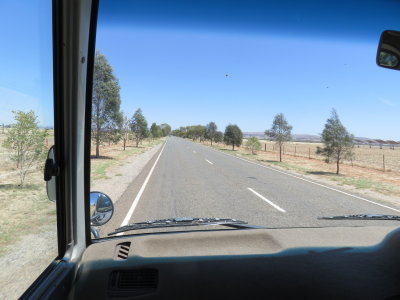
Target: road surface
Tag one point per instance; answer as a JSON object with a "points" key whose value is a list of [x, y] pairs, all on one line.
{"points": [[185, 179]]}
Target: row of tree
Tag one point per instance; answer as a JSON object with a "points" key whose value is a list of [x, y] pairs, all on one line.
{"points": [[109, 123], [338, 142], [232, 136]]}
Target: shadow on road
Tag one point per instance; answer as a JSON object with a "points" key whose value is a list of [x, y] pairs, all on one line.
{"points": [[100, 157], [322, 173]]}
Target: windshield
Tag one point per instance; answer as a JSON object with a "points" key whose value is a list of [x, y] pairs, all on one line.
{"points": [[272, 113]]}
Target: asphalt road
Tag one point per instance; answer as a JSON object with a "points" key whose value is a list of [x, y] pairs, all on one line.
{"points": [[185, 179]]}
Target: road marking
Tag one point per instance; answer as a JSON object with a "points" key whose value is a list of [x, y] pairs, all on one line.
{"points": [[266, 200], [194, 152], [309, 181], [209, 162], [135, 202]]}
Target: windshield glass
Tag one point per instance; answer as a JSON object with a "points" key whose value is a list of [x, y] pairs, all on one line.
{"points": [[271, 113]]}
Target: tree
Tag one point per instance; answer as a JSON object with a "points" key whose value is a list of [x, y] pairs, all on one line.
{"points": [[338, 142], [25, 142], [156, 131], [125, 129], [106, 100], [233, 136], [253, 144], [139, 126], [280, 132], [166, 129], [211, 130], [218, 137]]}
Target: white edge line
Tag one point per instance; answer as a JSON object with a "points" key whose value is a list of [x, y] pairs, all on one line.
{"points": [[139, 194], [266, 200], [209, 162], [309, 181]]}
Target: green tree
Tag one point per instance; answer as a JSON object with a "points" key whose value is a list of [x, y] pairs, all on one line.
{"points": [[106, 101], [253, 144], [338, 142], [218, 137], [233, 136], [156, 131], [25, 143], [139, 126], [211, 130], [166, 129], [280, 132]]}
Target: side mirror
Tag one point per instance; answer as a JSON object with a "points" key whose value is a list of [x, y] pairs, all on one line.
{"points": [[388, 55], [101, 208], [50, 172]]}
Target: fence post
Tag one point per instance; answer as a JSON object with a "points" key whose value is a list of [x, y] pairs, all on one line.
{"points": [[265, 147], [309, 153], [383, 161]]}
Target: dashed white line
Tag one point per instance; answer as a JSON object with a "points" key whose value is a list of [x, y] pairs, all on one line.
{"points": [[309, 181], [135, 202], [211, 163], [266, 200]]}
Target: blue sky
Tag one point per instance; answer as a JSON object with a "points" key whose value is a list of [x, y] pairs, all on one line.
{"points": [[179, 77], [175, 67], [26, 59]]}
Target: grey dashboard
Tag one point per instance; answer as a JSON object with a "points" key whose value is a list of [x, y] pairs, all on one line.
{"points": [[317, 263]]}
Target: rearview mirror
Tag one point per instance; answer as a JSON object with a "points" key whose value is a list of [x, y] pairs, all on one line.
{"points": [[388, 55], [50, 172], [101, 208]]}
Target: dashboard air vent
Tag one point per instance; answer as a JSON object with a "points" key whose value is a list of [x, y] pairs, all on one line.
{"points": [[133, 282], [122, 251]]}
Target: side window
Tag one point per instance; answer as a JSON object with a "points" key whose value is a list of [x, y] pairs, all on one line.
{"points": [[28, 231]]}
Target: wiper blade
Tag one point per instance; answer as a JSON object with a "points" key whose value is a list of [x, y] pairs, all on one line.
{"points": [[180, 222], [363, 217]]}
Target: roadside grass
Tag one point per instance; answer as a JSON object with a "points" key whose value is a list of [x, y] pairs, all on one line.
{"points": [[23, 209], [365, 183], [115, 155]]}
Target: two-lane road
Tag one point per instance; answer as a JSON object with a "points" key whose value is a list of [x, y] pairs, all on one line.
{"points": [[187, 179]]}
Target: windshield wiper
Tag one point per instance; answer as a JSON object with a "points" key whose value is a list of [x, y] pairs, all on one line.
{"points": [[179, 222], [363, 217]]}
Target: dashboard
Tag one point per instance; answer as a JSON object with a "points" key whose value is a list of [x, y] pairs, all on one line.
{"points": [[323, 263]]}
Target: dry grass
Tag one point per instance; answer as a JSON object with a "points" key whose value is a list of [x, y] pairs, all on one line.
{"points": [[359, 175], [23, 209], [365, 156], [26, 209], [111, 155]]}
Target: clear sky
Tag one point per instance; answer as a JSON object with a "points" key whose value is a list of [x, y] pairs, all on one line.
{"points": [[26, 81], [172, 62]]}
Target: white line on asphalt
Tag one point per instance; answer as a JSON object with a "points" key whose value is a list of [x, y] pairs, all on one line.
{"points": [[309, 181], [209, 162], [266, 200], [135, 202]]}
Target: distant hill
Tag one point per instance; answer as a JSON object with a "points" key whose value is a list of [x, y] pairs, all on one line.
{"points": [[296, 137], [316, 138]]}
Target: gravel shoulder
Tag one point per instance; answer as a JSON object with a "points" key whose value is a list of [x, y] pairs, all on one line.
{"points": [[120, 176]]}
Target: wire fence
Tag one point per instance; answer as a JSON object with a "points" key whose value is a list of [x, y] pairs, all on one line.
{"points": [[385, 158]]}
